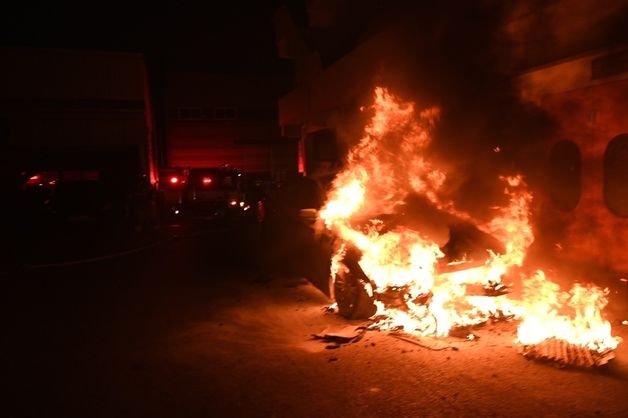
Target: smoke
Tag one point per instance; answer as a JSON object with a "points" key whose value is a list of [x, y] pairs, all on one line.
{"points": [[455, 55], [465, 67], [464, 58]]}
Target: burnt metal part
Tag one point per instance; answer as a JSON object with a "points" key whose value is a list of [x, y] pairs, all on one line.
{"points": [[438, 346], [496, 289], [566, 354], [423, 299], [350, 289], [349, 334], [394, 297], [490, 289], [466, 241], [465, 332]]}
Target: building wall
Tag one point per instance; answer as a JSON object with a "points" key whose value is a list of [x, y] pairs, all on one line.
{"points": [[330, 101], [53, 99], [522, 34], [40, 73], [590, 111], [212, 120]]}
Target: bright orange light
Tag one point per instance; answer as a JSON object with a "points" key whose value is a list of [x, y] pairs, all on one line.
{"points": [[391, 161], [233, 202]]}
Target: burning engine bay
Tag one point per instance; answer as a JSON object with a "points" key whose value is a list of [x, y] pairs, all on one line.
{"points": [[386, 269]]}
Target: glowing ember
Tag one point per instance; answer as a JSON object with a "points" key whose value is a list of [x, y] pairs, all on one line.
{"points": [[406, 286]]}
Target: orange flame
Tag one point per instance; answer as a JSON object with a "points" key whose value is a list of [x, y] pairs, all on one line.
{"points": [[390, 162], [542, 318]]}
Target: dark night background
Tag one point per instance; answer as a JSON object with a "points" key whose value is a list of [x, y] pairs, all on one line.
{"points": [[209, 36], [231, 38]]}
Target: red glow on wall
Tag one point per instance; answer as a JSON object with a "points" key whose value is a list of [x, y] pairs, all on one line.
{"points": [[150, 131], [301, 157], [46, 178]]}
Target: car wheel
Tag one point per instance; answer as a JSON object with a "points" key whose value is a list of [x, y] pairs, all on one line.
{"points": [[350, 294]]}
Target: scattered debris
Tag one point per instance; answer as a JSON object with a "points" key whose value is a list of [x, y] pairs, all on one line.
{"points": [[496, 289], [333, 308], [413, 340], [566, 354], [348, 334], [465, 333]]}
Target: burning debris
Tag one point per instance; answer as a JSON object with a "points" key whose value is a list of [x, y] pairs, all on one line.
{"points": [[337, 337], [417, 342], [402, 280], [565, 354]]}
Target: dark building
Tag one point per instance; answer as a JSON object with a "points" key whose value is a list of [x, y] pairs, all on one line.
{"points": [[217, 119], [76, 105], [77, 132]]}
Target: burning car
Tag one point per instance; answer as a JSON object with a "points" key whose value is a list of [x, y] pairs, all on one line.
{"points": [[402, 279]]}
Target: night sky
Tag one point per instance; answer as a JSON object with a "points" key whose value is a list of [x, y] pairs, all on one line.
{"points": [[218, 37]]}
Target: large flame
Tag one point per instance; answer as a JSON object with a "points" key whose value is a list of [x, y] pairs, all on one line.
{"points": [[388, 164]]}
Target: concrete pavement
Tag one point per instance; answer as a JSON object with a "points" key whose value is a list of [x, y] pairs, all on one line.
{"points": [[187, 329]]}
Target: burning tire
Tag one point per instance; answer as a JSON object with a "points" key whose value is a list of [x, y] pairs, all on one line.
{"points": [[350, 289]]}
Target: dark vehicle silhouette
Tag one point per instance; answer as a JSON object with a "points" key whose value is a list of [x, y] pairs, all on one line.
{"points": [[219, 192]]}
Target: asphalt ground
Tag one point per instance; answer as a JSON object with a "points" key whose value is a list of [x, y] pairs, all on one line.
{"points": [[191, 326]]}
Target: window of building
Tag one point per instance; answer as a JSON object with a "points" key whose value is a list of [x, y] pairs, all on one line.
{"points": [[616, 175], [225, 113], [189, 113], [565, 177]]}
